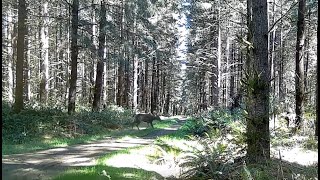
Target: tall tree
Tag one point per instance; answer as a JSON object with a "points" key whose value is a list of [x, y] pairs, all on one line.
{"points": [[44, 66], [11, 33], [317, 87], [258, 136], [121, 84], [74, 57], [216, 76], [100, 64], [299, 79], [22, 16]]}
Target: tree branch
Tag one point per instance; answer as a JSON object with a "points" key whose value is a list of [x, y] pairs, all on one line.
{"points": [[285, 14], [67, 3]]}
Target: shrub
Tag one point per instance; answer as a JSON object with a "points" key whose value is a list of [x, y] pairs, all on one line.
{"points": [[37, 121]]}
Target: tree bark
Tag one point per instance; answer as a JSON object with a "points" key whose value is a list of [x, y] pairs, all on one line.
{"points": [[11, 54], [215, 78], [100, 64], [299, 64], [22, 16], [258, 136], [121, 74], [44, 86], [74, 57], [249, 36], [153, 85], [26, 71], [317, 87], [145, 96]]}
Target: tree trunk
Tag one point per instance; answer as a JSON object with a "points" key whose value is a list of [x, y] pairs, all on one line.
{"points": [[26, 75], [135, 82], [215, 78], [11, 54], [258, 136], [22, 16], [227, 71], [153, 85], [281, 61], [317, 87], [145, 95], [100, 64], [44, 86], [121, 83], [306, 67], [249, 36], [299, 64], [74, 57]]}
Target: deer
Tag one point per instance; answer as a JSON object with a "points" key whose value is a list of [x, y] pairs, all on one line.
{"points": [[148, 118]]}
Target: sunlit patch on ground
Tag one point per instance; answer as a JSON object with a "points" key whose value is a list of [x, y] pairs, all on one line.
{"points": [[138, 158], [296, 154], [291, 146]]}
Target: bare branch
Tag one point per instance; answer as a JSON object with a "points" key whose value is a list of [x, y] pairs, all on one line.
{"points": [[285, 14]]}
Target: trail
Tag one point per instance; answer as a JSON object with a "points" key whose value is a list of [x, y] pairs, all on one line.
{"points": [[49, 163]]}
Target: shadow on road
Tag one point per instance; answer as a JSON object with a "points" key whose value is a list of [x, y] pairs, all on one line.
{"points": [[48, 163]]}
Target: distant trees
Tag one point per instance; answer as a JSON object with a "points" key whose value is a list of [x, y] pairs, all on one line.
{"points": [[72, 60]]}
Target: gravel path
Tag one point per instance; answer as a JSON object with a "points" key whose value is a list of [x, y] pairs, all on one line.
{"points": [[48, 163]]}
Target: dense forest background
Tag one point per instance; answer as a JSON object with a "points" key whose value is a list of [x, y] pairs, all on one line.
{"points": [[130, 53], [76, 67]]}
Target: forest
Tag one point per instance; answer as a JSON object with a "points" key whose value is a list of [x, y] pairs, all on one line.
{"points": [[160, 89]]}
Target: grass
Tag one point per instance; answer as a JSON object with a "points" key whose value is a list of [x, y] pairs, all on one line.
{"points": [[114, 173], [274, 170], [96, 173], [43, 144], [165, 123], [311, 143]]}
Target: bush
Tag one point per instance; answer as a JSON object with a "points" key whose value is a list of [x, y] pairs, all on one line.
{"points": [[37, 121], [205, 161], [210, 121]]}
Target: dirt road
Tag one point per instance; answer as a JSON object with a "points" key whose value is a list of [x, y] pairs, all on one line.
{"points": [[48, 163]]}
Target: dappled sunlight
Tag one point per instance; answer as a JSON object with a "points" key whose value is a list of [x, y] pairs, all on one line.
{"points": [[291, 145], [129, 175], [296, 154], [76, 161], [182, 144], [138, 158], [84, 155]]}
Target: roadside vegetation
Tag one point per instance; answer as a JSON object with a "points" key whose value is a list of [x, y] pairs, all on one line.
{"points": [[209, 146], [40, 128]]}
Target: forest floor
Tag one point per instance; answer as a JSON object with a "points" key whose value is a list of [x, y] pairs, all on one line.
{"points": [[49, 163]]}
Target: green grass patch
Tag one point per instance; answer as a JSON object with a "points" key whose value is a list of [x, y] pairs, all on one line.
{"points": [[42, 144], [164, 123], [143, 132], [102, 171], [311, 143], [32, 145], [275, 170], [112, 173], [102, 159]]}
